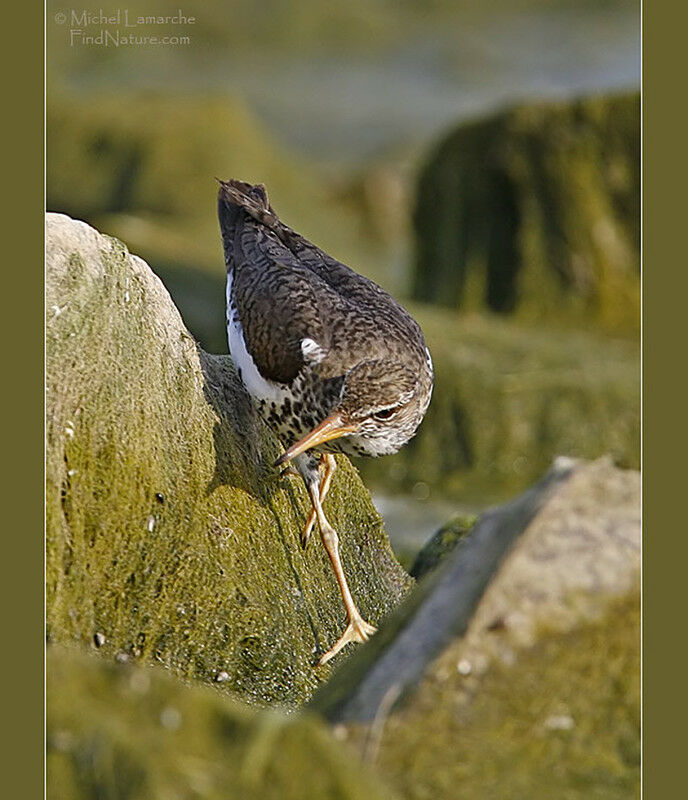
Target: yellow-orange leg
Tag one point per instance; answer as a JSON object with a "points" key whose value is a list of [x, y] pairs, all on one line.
{"points": [[330, 466], [357, 629]]}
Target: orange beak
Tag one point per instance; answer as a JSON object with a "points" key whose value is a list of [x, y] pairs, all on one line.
{"points": [[331, 427]]}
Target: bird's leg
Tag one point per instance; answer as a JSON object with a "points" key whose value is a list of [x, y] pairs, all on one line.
{"points": [[357, 629], [330, 466], [308, 467]]}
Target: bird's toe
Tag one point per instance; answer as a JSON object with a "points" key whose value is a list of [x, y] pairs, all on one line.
{"points": [[358, 630]]}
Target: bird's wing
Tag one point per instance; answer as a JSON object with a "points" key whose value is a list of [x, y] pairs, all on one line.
{"points": [[287, 292], [282, 310], [345, 280]]}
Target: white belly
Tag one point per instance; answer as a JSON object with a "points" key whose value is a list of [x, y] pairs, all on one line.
{"points": [[255, 383]]}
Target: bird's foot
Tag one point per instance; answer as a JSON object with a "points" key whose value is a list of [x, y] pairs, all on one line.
{"points": [[358, 630]]}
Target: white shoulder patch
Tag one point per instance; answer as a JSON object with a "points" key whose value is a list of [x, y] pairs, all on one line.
{"points": [[312, 351]]}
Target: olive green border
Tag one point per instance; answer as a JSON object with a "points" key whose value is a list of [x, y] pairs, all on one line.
{"points": [[665, 288], [21, 54]]}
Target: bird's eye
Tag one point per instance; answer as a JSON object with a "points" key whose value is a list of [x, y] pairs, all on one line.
{"points": [[386, 413]]}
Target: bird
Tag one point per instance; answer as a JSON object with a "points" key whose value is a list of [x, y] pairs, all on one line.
{"points": [[333, 363]]}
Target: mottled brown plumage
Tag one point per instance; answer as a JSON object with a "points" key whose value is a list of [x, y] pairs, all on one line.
{"points": [[333, 362]]}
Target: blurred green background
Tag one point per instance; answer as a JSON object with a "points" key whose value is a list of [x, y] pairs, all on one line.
{"points": [[480, 161]]}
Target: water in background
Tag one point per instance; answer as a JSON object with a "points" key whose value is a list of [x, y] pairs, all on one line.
{"points": [[344, 104], [356, 108]]}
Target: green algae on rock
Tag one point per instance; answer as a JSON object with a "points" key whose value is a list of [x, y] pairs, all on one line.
{"points": [[528, 683], [536, 211], [169, 536], [443, 542], [133, 732]]}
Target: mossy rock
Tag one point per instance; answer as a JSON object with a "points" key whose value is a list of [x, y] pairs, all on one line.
{"points": [[536, 211], [142, 166], [170, 537], [513, 669], [563, 721], [135, 733], [441, 544], [143, 153]]}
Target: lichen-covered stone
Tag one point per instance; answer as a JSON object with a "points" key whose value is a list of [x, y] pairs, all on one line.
{"points": [[562, 721], [134, 733], [513, 669], [169, 535], [536, 211]]}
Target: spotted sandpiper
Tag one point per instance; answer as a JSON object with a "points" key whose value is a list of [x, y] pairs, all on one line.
{"points": [[333, 363]]}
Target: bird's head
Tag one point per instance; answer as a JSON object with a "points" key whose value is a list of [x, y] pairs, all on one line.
{"points": [[380, 406]]}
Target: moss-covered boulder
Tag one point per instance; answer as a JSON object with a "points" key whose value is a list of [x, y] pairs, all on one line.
{"points": [[131, 732], [170, 537], [142, 166], [513, 670], [536, 211]]}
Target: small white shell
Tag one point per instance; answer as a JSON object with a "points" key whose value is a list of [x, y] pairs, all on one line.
{"points": [[464, 667]]}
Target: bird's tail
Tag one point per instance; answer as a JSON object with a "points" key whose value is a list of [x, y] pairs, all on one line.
{"points": [[252, 198], [237, 199]]}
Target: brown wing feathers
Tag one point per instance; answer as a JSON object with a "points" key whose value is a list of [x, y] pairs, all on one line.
{"points": [[278, 306]]}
